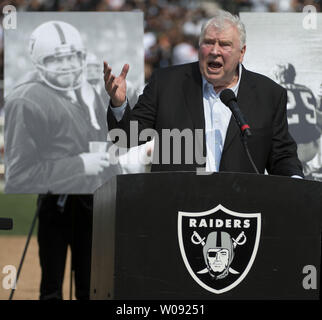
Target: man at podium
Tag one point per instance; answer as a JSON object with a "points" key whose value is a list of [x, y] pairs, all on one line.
{"points": [[185, 101]]}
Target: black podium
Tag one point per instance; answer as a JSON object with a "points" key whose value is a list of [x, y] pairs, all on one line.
{"points": [[220, 236]]}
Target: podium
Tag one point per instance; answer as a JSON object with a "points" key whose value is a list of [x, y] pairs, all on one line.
{"points": [[228, 236]]}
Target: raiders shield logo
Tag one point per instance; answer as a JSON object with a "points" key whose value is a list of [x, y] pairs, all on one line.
{"points": [[218, 246]]}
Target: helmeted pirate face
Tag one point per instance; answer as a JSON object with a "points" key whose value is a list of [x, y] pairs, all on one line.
{"points": [[218, 259], [218, 253]]}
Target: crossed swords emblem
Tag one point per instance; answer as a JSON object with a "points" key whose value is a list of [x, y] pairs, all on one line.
{"points": [[240, 240]]}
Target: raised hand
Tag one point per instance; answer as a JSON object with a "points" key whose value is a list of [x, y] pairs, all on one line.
{"points": [[116, 86]]}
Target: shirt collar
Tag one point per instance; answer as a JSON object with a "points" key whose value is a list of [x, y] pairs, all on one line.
{"points": [[208, 86]]}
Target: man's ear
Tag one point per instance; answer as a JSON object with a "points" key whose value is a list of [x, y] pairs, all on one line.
{"points": [[242, 53]]}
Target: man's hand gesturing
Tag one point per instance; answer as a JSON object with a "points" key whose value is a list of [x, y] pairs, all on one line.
{"points": [[116, 86]]}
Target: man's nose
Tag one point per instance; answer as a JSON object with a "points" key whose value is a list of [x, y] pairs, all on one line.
{"points": [[65, 63], [216, 50]]}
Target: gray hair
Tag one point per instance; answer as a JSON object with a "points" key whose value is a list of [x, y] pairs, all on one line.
{"points": [[220, 20]]}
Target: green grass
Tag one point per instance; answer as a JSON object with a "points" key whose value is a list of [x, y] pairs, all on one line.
{"points": [[21, 208]]}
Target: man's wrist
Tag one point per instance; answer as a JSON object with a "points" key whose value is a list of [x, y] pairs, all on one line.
{"points": [[118, 111], [118, 106]]}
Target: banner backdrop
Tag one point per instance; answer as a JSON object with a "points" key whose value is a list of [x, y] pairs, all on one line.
{"points": [[287, 48], [55, 100]]}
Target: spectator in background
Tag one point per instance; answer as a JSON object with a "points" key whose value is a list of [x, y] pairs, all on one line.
{"points": [[235, 6], [185, 51]]}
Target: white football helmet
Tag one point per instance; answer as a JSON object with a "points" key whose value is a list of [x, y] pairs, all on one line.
{"points": [[55, 40]]}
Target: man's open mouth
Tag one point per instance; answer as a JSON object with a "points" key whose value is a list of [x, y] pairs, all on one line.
{"points": [[214, 65]]}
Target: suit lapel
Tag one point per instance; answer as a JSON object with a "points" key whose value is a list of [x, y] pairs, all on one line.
{"points": [[192, 91], [246, 101]]}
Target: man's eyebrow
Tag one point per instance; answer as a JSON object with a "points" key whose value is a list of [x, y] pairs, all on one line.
{"points": [[225, 41]]}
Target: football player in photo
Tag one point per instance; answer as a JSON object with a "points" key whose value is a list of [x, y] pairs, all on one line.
{"points": [[301, 114], [48, 124]]}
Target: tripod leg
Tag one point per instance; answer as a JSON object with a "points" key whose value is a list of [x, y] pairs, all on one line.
{"points": [[24, 251], [72, 250]]}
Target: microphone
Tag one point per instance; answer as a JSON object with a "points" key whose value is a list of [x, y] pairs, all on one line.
{"points": [[228, 97]]}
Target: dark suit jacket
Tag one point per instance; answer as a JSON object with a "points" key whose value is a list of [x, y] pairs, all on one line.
{"points": [[174, 99]]}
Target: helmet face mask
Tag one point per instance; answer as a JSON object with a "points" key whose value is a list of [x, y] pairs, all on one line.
{"points": [[62, 72], [57, 52]]}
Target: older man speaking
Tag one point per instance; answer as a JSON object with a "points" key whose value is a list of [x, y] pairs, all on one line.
{"points": [[187, 97]]}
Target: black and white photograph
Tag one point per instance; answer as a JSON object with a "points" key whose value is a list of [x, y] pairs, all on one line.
{"points": [[55, 131], [282, 47]]}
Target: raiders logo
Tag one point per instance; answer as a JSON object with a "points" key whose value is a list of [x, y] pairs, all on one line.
{"points": [[218, 246]]}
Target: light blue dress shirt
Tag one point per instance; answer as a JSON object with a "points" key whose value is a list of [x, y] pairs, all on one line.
{"points": [[217, 117]]}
